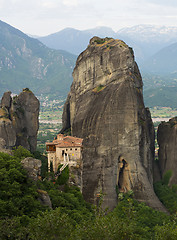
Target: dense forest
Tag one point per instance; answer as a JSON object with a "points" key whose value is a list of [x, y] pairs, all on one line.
{"points": [[22, 216]]}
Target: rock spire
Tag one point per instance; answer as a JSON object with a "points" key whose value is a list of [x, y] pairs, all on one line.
{"points": [[105, 107]]}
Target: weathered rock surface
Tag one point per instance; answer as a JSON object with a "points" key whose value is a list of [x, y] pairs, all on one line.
{"points": [[6, 100], [33, 167], [105, 107], [44, 198], [3, 147], [19, 120], [75, 176], [167, 139]]}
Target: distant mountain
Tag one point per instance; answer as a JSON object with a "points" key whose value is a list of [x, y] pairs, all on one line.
{"points": [[73, 40], [163, 96], [26, 62], [150, 33], [146, 40], [101, 32], [163, 62], [160, 90]]}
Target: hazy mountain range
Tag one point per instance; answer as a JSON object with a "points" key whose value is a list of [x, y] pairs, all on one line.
{"points": [[146, 40], [27, 62]]}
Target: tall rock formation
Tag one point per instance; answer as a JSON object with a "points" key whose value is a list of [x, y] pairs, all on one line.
{"points": [[19, 120], [167, 139], [105, 107]]}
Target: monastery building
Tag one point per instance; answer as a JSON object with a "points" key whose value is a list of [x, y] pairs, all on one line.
{"points": [[64, 150]]}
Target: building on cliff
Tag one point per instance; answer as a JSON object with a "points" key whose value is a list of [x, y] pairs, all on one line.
{"points": [[64, 150]]}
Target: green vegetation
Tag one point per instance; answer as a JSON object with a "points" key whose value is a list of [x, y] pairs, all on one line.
{"points": [[35, 66], [166, 194], [18, 196], [26, 90], [163, 112], [23, 217], [47, 132], [99, 88], [64, 176], [100, 40]]}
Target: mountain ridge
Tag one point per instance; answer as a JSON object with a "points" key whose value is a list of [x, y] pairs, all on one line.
{"points": [[26, 62], [137, 37]]}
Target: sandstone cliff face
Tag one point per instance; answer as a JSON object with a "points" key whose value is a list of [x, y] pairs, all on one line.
{"points": [[167, 138], [105, 107], [19, 120]]}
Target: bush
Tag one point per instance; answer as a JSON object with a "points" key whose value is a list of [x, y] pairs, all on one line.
{"points": [[166, 177], [64, 176], [21, 152]]}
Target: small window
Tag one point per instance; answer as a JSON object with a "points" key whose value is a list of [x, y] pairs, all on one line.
{"points": [[71, 149], [75, 149], [66, 149]]}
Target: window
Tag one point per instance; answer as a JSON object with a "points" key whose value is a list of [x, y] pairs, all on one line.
{"points": [[75, 149], [71, 149]]}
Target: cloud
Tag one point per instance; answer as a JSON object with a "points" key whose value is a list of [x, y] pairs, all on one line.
{"points": [[49, 4], [70, 3], [47, 16]]}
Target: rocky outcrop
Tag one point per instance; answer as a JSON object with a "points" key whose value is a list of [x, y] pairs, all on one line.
{"points": [[75, 176], [6, 100], [167, 138], [3, 147], [105, 107], [33, 167], [44, 198], [19, 120]]}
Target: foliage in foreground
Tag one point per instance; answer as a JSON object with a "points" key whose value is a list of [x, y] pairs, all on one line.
{"points": [[167, 194], [23, 217]]}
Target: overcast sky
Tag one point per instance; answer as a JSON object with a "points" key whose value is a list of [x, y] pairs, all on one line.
{"points": [[43, 17]]}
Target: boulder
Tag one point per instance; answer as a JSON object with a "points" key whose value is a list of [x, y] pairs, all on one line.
{"points": [[44, 198], [3, 147], [33, 167]]}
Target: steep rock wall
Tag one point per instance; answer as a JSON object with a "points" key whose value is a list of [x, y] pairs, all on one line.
{"points": [[167, 139], [19, 120], [105, 107]]}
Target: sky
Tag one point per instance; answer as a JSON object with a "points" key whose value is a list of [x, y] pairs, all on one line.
{"points": [[43, 17]]}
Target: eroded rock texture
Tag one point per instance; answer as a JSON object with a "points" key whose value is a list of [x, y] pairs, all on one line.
{"points": [[105, 107], [19, 120], [167, 139], [33, 167]]}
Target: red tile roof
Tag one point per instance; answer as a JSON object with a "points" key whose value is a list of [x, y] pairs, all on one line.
{"points": [[67, 141]]}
